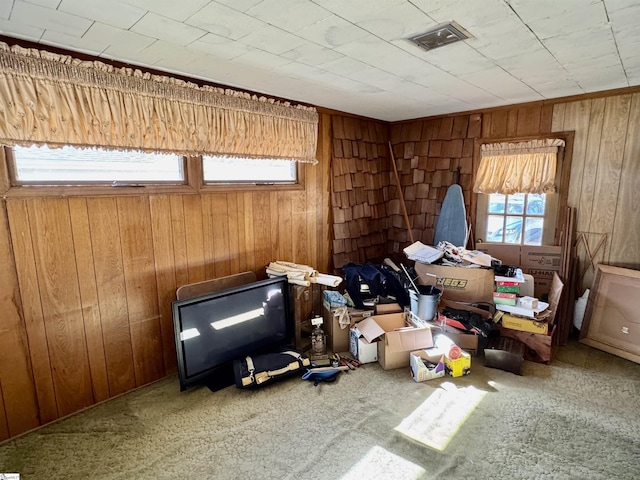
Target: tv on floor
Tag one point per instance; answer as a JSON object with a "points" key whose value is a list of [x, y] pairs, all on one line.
{"points": [[212, 330]]}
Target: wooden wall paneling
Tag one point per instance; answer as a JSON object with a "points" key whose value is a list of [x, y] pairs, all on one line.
{"points": [[239, 217], [528, 121], [324, 218], [299, 220], [61, 306], [249, 233], [18, 401], [284, 225], [512, 122], [625, 239], [498, 124], [141, 289], [178, 229], [262, 232], [89, 297], [575, 117], [557, 118], [614, 129], [232, 217], [195, 237], [276, 246], [208, 249], [107, 254], [546, 118], [220, 217], [165, 275], [312, 205], [21, 236]]}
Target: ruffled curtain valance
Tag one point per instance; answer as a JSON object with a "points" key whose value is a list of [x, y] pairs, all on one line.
{"points": [[52, 99], [523, 167]]}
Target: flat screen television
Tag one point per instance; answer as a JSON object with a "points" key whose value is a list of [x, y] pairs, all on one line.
{"points": [[212, 330]]}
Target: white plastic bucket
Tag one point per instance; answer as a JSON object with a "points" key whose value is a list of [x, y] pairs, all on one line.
{"points": [[424, 303]]}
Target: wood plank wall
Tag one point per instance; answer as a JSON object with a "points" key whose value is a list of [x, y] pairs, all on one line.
{"points": [[87, 282], [605, 174]]}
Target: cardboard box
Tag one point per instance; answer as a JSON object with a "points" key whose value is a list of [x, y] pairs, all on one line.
{"points": [[507, 254], [419, 371], [524, 324], [361, 349], [397, 340], [459, 366], [545, 257], [458, 283], [385, 308], [338, 337], [503, 298]]}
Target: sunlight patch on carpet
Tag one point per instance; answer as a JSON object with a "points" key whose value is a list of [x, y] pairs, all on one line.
{"points": [[435, 422], [380, 464]]}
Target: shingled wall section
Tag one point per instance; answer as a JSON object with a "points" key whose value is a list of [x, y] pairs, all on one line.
{"points": [[368, 223]]}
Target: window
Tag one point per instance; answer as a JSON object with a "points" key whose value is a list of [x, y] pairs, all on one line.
{"points": [[517, 218], [227, 170], [72, 166]]}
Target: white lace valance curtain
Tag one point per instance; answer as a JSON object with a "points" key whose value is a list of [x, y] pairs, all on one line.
{"points": [[525, 167], [52, 99]]}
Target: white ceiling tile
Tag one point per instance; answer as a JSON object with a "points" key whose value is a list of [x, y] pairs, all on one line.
{"points": [[312, 54], [224, 21], [332, 32], [46, 3], [19, 30], [625, 18], [177, 10], [118, 14], [46, 18], [5, 8], [458, 59], [91, 46], [596, 84], [170, 57], [615, 5], [166, 29], [590, 17], [590, 44], [530, 10], [345, 66], [399, 21], [261, 59], [356, 11], [122, 44], [299, 13], [218, 46], [273, 40], [467, 14], [239, 5]]}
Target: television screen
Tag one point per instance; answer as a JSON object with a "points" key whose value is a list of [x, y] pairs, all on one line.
{"points": [[213, 330]]}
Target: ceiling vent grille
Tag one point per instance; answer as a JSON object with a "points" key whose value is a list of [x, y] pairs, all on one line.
{"points": [[440, 35]]}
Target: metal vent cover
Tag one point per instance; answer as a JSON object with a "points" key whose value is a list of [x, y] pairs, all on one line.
{"points": [[440, 35]]}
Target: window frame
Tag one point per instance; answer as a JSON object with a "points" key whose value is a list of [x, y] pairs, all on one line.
{"points": [[563, 170], [193, 183]]}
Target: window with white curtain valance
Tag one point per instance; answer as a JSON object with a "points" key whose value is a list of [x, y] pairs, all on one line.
{"points": [[52, 99], [522, 167]]}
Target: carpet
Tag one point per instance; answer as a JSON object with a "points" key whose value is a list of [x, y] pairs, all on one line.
{"points": [[575, 418]]}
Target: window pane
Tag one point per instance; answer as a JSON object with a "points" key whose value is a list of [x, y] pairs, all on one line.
{"points": [[70, 164], [515, 204], [248, 170], [510, 232], [533, 231], [535, 204], [496, 203]]}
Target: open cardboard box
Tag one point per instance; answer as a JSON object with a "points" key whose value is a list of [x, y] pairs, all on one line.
{"points": [[419, 371], [395, 340]]}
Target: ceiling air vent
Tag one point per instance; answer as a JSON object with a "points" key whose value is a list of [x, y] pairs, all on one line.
{"points": [[440, 35]]}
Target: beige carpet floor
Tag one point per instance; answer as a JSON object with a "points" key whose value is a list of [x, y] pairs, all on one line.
{"points": [[577, 418]]}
